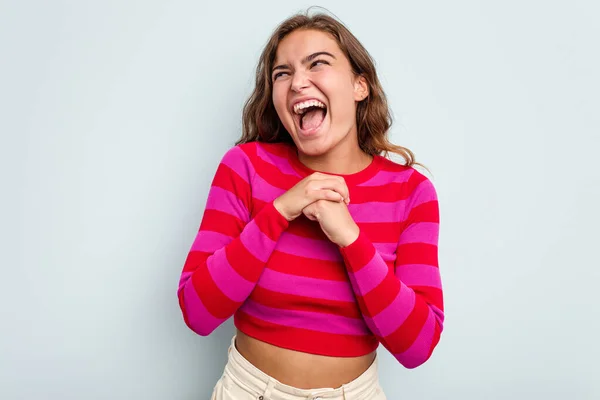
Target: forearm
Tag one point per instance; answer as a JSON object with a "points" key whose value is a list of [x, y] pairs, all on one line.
{"points": [[405, 320], [221, 271]]}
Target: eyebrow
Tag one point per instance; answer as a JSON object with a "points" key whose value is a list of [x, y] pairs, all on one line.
{"points": [[306, 59]]}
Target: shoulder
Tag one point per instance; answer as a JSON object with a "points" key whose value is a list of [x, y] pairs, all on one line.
{"points": [[245, 158], [413, 183]]}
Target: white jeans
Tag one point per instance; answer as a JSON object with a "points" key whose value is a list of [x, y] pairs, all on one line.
{"points": [[243, 381]]}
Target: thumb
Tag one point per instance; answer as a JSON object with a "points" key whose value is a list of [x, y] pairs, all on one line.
{"points": [[309, 213]]}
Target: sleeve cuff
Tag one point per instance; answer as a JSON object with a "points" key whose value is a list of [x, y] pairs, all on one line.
{"points": [[271, 222], [359, 253]]}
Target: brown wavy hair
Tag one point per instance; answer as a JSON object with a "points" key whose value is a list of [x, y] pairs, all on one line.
{"points": [[260, 121]]}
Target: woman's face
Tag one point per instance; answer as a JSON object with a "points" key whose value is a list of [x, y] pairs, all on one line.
{"points": [[315, 92]]}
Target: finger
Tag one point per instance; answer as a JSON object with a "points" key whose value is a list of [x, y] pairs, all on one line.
{"points": [[340, 187], [309, 212], [331, 184], [328, 194]]}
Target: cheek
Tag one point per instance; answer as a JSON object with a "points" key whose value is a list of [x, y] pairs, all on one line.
{"points": [[339, 91], [278, 101]]}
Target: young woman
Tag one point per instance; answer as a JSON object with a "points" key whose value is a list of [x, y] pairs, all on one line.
{"points": [[320, 247]]}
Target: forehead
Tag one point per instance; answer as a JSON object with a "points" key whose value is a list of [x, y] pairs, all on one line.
{"points": [[301, 43]]}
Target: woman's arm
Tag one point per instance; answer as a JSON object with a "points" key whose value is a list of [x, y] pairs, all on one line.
{"points": [[230, 249], [403, 307]]}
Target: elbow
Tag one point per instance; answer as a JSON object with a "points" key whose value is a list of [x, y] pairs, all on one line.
{"points": [[420, 351], [413, 362], [196, 318], [201, 329]]}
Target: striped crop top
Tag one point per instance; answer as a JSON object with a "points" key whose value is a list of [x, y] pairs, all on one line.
{"points": [[286, 284]]}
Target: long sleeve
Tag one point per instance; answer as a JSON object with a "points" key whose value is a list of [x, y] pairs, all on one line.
{"points": [[403, 306], [230, 250]]}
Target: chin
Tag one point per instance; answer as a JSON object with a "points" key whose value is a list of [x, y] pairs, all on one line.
{"points": [[313, 148]]}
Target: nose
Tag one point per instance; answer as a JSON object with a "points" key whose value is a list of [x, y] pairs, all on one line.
{"points": [[299, 81]]}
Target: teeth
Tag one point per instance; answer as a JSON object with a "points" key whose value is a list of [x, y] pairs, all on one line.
{"points": [[301, 107]]}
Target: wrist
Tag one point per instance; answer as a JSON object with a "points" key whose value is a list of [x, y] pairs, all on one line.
{"points": [[350, 236], [280, 209]]}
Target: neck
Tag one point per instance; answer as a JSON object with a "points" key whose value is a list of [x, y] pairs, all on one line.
{"points": [[344, 159]]}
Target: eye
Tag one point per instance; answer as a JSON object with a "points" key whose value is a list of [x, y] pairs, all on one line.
{"points": [[279, 74], [317, 62]]}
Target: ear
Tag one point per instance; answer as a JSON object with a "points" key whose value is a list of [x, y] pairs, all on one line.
{"points": [[361, 88]]}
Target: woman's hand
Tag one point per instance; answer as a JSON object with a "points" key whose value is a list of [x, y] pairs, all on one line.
{"points": [[314, 187], [335, 220]]}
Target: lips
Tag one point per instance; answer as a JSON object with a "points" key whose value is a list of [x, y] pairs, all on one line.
{"points": [[299, 110], [305, 99]]}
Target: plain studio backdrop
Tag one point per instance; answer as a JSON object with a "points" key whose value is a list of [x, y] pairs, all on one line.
{"points": [[115, 114]]}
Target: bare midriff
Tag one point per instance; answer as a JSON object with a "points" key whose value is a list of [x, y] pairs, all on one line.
{"points": [[299, 369]]}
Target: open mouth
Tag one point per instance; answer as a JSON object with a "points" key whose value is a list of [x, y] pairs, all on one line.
{"points": [[309, 115]]}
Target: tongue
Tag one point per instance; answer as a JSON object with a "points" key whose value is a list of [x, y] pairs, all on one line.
{"points": [[313, 118]]}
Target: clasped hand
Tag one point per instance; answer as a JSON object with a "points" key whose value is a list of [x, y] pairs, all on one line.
{"points": [[323, 198]]}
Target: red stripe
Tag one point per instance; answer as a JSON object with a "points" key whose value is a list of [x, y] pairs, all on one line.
{"points": [[215, 301], [309, 267], [382, 296], [426, 212], [359, 253], [272, 223], [431, 295], [257, 205], [381, 232], [301, 303], [389, 193], [194, 260], [417, 253], [269, 172], [414, 181], [221, 222], [407, 333], [228, 179], [278, 149], [245, 264], [390, 166]]}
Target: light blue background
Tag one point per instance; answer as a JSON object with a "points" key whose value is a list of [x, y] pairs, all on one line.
{"points": [[114, 115]]}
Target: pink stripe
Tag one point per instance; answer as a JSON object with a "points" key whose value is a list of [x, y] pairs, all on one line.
{"points": [[385, 177], [421, 232], [417, 353], [184, 277], [387, 251], [370, 276], [201, 321], [394, 315], [315, 321], [423, 193], [307, 287], [309, 248], [256, 242], [377, 211], [223, 200], [209, 241], [419, 275], [280, 163], [439, 315], [227, 279], [264, 191], [238, 161]]}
